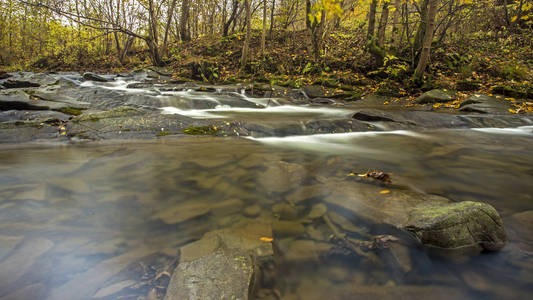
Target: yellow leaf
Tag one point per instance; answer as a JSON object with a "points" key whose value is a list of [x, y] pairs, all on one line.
{"points": [[514, 18], [351, 174], [513, 111], [266, 239], [385, 192]]}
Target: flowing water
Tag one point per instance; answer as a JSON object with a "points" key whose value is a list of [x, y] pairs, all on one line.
{"points": [[106, 219]]}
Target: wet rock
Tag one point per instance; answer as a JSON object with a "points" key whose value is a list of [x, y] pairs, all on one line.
{"points": [[281, 176], [227, 207], [321, 100], [30, 292], [85, 285], [337, 274], [252, 211], [20, 262], [366, 202], [114, 288], [121, 111], [285, 211], [436, 96], [245, 235], [307, 192], [93, 77], [401, 255], [140, 85], [287, 228], [41, 116], [225, 274], [182, 212], [21, 101], [484, 104], [373, 116], [8, 243], [17, 84], [314, 91], [317, 211], [457, 225], [348, 225], [4, 75], [521, 229], [297, 251]]}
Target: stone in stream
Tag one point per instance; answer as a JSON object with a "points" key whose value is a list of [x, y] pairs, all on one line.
{"points": [[457, 225], [298, 251], [314, 91], [224, 274], [317, 211], [287, 228], [114, 288], [436, 96], [93, 77], [307, 192], [85, 285], [281, 176], [224, 263], [182, 212], [485, 104], [373, 116], [15, 266], [4, 75], [30, 292], [8, 243], [286, 211], [16, 84], [252, 211]]}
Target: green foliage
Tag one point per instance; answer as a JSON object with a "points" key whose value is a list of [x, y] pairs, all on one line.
{"points": [[201, 130]]}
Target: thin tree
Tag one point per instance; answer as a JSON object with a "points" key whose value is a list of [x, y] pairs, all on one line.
{"points": [[184, 32], [428, 38], [246, 47]]}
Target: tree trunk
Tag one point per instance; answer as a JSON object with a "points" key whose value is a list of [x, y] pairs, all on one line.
{"points": [[372, 19], [167, 25], [428, 38], [263, 34], [383, 20], [246, 47], [396, 23], [184, 32], [272, 18], [419, 36]]}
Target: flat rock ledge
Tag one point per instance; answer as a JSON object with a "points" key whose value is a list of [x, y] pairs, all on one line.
{"points": [[463, 225]]}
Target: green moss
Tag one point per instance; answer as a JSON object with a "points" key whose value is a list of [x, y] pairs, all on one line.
{"points": [[164, 133], [202, 130], [71, 111]]}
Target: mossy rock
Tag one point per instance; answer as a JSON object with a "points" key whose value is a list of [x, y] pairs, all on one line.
{"points": [[436, 96], [71, 111], [121, 111], [201, 130], [508, 91], [458, 225]]}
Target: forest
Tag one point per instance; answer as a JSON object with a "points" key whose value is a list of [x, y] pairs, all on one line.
{"points": [[400, 44]]}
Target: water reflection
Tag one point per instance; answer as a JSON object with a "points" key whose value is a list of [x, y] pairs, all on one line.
{"points": [[107, 220]]}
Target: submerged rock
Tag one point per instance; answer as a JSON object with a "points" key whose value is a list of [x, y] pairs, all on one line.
{"points": [[373, 116], [314, 91], [458, 225], [436, 96]]}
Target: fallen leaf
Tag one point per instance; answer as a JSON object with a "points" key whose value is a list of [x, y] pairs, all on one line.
{"points": [[266, 239], [385, 192]]}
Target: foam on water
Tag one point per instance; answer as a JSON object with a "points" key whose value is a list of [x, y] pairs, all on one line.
{"points": [[524, 130], [221, 111]]}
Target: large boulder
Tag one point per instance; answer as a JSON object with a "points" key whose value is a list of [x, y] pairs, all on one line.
{"points": [[457, 225], [484, 104], [314, 91], [225, 274], [436, 96]]}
